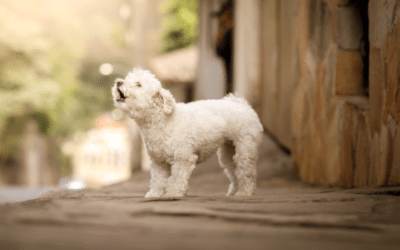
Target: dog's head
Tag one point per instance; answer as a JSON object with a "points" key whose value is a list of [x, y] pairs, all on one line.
{"points": [[141, 95]]}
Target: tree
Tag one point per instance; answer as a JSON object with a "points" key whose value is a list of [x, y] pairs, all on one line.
{"points": [[41, 49], [180, 24]]}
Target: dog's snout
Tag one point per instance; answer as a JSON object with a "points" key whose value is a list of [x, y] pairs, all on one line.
{"points": [[121, 95], [119, 82]]}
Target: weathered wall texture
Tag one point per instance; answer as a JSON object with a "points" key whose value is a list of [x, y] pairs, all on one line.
{"points": [[279, 66], [265, 61], [342, 136], [384, 85], [324, 77]]}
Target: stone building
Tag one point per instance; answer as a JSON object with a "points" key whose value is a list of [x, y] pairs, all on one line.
{"points": [[177, 72], [103, 155], [324, 76]]}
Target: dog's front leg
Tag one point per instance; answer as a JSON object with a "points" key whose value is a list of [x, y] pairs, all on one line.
{"points": [[178, 183], [159, 178]]}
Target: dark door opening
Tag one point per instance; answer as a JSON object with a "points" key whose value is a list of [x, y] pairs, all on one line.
{"points": [[224, 46]]}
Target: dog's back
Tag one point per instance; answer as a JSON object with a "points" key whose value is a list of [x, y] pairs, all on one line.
{"points": [[232, 110]]}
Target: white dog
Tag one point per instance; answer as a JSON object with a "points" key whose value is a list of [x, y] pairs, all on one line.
{"points": [[177, 136]]}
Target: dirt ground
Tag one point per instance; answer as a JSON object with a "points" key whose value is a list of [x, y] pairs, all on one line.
{"points": [[283, 214]]}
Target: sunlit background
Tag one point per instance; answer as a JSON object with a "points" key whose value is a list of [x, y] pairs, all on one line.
{"points": [[58, 61]]}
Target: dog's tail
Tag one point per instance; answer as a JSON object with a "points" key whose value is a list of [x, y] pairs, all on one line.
{"points": [[236, 97]]}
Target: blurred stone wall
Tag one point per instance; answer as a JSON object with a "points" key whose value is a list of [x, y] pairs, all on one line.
{"points": [[324, 77], [279, 67], [346, 103]]}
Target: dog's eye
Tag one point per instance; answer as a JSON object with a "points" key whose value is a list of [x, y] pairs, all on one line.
{"points": [[138, 84]]}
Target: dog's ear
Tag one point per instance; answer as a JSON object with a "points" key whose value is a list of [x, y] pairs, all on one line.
{"points": [[165, 100]]}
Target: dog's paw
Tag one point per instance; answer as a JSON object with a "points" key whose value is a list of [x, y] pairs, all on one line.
{"points": [[232, 190], [152, 194]]}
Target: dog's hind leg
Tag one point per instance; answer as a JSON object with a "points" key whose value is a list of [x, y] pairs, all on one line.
{"points": [[225, 157], [159, 177], [246, 155]]}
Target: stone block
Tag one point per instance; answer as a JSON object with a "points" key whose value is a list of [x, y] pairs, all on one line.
{"points": [[354, 142], [346, 150], [381, 14], [315, 173], [385, 156], [394, 176], [374, 159], [349, 73], [299, 109], [362, 150], [376, 87], [392, 101], [350, 28], [332, 162]]}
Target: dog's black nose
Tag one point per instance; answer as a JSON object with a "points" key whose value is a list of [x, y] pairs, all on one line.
{"points": [[119, 83]]}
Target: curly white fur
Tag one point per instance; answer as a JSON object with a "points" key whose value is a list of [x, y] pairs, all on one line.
{"points": [[178, 136]]}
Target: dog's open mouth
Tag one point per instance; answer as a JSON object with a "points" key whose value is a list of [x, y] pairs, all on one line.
{"points": [[122, 97]]}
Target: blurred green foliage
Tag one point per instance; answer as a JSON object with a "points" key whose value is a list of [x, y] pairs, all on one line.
{"points": [[42, 47], [180, 24]]}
